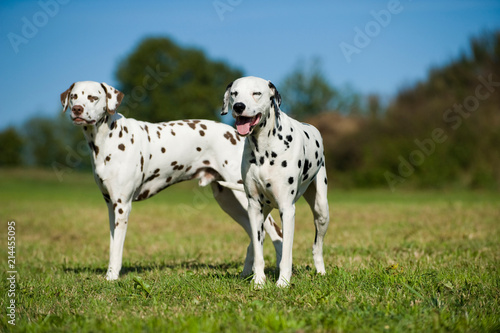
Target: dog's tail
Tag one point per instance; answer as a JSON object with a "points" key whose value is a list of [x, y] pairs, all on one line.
{"points": [[232, 186]]}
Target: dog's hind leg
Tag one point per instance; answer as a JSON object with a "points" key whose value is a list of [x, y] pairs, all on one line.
{"points": [[316, 197]]}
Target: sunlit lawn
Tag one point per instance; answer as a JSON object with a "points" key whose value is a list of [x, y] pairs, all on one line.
{"points": [[403, 261]]}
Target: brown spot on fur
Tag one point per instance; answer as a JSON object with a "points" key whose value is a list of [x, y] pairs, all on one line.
{"points": [[169, 179], [188, 168], [92, 98], [120, 211], [163, 149], [198, 148], [228, 135], [173, 133], [202, 133], [278, 230], [121, 146], [173, 163], [207, 162], [158, 132], [203, 126]]}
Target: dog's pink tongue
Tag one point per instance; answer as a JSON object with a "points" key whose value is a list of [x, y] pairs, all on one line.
{"points": [[243, 125]]}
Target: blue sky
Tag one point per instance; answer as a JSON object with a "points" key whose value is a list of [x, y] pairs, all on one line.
{"points": [[46, 45]]}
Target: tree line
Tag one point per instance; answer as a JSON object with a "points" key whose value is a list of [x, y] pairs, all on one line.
{"points": [[440, 132]]}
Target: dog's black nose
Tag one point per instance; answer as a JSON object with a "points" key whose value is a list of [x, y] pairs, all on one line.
{"points": [[239, 107]]}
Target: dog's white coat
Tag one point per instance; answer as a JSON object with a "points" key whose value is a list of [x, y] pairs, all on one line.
{"points": [[283, 159], [133, 160]]}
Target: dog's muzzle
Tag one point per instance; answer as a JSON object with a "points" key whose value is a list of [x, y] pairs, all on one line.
{"points": [[245, 125], [76, 112]]}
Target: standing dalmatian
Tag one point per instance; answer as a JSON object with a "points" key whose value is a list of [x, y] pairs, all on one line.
{"points": [[282, 160], [133, 160]]}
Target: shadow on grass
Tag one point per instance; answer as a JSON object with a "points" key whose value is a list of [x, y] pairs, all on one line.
{"points": [[228, 269]]}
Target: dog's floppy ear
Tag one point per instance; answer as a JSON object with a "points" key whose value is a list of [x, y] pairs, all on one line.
{"points": [[113, 98], [274, 93], [225, 105], [65, 97]]}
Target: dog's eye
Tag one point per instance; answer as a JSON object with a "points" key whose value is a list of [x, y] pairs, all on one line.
{"points": [[257, 93], [234, 93]]}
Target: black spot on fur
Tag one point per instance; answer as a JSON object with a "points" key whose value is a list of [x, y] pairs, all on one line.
{"points": [[261, 160], [307, 135], [306, 167], [290, 180], [289, 138], [256, 145], [283, 164]]}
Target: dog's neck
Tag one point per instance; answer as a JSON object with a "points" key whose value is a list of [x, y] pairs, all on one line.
{"points": [[97, 134], [269, 127]]}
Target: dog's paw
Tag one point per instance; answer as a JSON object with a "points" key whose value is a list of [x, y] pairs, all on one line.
{"points": [[259, 281], [110, 276], [282, 283]]}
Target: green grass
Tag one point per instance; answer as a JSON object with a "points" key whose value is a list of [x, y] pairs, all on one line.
{"points": [[396, 262]]}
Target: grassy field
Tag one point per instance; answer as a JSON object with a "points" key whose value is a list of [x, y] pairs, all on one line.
{"points": [[396, 262]]}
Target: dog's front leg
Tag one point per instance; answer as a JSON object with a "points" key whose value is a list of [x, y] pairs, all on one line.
{"points": [[118, 221], [288, 226], [256, 215]]}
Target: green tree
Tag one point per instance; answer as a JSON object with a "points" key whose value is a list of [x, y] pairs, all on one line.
{"points": [[306, 92], [55, 142], [163, 81], [11, 147]]}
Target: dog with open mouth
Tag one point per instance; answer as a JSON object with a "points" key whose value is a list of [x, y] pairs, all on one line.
{"points": [[283, 159], [133, 160]]}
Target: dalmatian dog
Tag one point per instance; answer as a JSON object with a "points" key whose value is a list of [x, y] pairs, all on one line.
{"points": [[133, 160], [282, 160]]}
